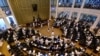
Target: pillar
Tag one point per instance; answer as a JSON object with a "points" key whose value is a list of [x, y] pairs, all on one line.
{"points": [[79, 13], [71, 11], [95, 23], [57, 8], [6, 22], [50, 9]]}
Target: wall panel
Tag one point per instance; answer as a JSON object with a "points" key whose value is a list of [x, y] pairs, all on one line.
{"points": [[24, 12]]}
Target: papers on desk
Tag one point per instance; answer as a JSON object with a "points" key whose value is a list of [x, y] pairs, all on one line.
{"points": [[98, 48], [1, 43], [24, 49], [44, 47], [0, 53]]}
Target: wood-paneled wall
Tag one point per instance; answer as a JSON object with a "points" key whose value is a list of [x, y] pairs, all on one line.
{"points": [[24, 12]]}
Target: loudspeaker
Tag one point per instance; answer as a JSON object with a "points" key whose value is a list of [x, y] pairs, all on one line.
{"points": [[34, 6]]}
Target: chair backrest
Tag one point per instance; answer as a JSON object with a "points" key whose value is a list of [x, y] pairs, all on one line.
{"points": [[66, 54], [49, 54], [57, 54], [34, 52]]}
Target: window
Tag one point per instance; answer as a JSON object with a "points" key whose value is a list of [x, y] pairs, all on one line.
{"points": [[90, 19], [5, 7], [53, 5], [63, 14], [92, 4], [2, 25], [65, 3], [78, 3], [74, 15]]}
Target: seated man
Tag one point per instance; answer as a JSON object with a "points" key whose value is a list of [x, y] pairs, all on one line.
{"points": [[98, 49]]}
